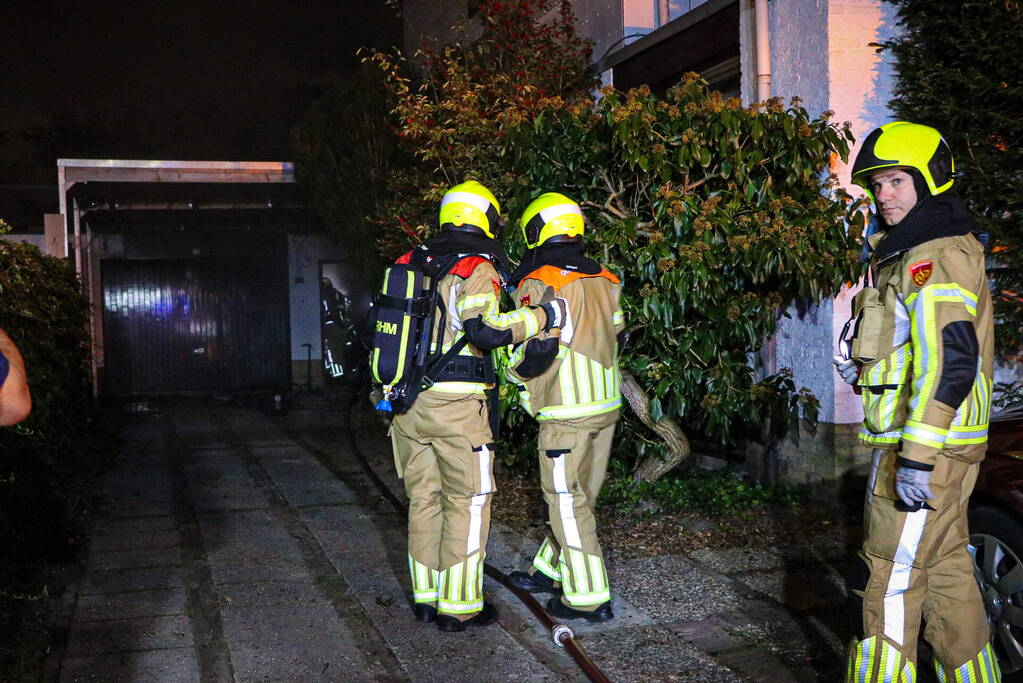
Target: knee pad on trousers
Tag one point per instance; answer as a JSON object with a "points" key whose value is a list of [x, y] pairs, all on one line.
{"points": [[855, 583]]}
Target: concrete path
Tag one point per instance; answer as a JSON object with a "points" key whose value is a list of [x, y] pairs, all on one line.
{"points": [[237, 546]]}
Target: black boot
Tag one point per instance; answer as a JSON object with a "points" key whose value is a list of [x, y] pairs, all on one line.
{"points": [[534, 583], [485, 617], [424, 613], [556, 608]]}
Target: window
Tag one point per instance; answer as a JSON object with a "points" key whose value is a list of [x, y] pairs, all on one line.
{"points": [[643, 16]]}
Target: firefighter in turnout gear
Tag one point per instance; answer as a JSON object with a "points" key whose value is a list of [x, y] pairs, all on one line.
{"points": [[921, 357], [443, 444], [569, 381]]}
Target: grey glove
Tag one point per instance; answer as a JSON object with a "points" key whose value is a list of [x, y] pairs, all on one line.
{"points": [[557, 313], [913, 486], [847, 368]]}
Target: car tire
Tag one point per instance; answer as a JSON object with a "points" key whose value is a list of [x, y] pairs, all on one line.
{"points": [[996, 543]]}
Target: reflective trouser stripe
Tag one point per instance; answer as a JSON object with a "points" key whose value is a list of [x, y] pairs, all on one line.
{"points": [[547, 561], [461, 587], [424, 581], [902, 568], [981, 669], [875, 660], [566, 505], [584, 578], [479, 501], [573, 458]]}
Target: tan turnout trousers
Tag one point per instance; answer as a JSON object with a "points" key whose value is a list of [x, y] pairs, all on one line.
{"points": [[918, 565], [573, 462], [443, 451]]}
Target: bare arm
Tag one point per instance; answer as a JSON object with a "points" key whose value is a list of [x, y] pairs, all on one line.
{"points": [[15, 400]]}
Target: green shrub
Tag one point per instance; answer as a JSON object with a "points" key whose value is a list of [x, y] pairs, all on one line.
{"points": [[46, 461], [714, 491], [718, 218]]}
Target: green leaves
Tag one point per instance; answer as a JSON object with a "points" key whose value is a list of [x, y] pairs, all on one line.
{"points": [[46, 461], [718, 217]]}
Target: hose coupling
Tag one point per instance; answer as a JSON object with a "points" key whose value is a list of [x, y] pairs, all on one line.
{"points": [[560, 633]]}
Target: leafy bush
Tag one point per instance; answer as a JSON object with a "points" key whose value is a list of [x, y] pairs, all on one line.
{"points": [[46, 461], [717, 216], [714, 491]]}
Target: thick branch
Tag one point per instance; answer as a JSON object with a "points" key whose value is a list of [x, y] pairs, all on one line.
{"points": [[653, 467]]}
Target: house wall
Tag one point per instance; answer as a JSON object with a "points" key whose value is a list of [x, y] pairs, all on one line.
{"points": [[601, 22], [820, 52]]}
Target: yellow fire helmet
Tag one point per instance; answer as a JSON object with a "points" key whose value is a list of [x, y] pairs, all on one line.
{"points": [[908, 145], [471, 205], [549, 215]]}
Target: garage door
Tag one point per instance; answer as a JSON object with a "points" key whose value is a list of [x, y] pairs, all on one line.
{"points": [[194, 326]]}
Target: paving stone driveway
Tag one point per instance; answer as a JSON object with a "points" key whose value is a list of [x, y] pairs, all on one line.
{"points": [[240, 546]]}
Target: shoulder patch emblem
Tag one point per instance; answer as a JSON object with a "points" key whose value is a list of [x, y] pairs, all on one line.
{"points": [[920, 272], [497, 288], [524, 301]]}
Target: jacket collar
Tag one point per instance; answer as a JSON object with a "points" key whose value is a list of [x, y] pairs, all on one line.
{"points": [[450, 242], [564, 256], [942, 216]]}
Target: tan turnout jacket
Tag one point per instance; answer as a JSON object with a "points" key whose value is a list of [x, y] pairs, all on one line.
{"points": [[583, 379]]}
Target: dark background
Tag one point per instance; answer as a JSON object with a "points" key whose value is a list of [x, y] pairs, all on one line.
{"points": [[145, 79]]}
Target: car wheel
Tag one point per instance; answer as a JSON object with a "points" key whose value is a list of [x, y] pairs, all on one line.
{"points": [[996, 543]]}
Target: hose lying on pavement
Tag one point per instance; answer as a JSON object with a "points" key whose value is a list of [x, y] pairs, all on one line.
{"points": [[561, 634]]}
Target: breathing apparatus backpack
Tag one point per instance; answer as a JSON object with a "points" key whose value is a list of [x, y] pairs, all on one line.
{"points": [[407, 309]]}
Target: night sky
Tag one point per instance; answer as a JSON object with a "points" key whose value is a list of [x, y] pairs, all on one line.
{"points": [[215, 80]]}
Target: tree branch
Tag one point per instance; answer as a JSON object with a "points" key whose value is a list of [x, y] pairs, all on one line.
{"points": [[653, 467]]}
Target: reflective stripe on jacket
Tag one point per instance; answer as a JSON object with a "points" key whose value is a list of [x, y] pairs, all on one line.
{"points": [[583, 378], [929, 390]]}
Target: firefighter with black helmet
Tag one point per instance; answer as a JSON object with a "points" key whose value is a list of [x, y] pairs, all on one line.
{"points": [[568, 380], [921, 356], [443, 443]]}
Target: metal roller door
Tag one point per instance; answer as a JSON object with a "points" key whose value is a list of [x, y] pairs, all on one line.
{"points": [[194, 326]]}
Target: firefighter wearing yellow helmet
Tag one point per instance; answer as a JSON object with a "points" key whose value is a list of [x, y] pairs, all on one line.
{"points": [[443, 443], [921, 357], [569, 381]]}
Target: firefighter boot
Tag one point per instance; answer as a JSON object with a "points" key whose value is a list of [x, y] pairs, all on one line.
{"points": [[534, 583], [556, 608], [485, 617], [424, 613]]}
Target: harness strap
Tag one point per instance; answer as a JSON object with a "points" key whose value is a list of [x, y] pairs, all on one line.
{"points": [[418, 307]]}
